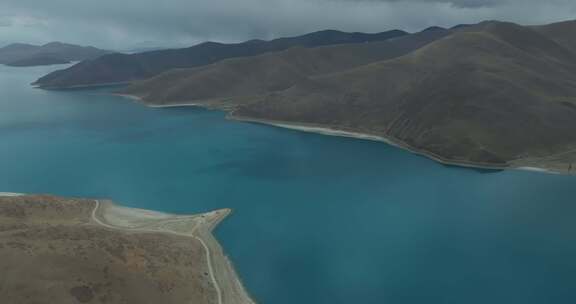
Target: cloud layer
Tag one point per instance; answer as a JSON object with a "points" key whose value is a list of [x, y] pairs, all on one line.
{"points": [[123, 23]]}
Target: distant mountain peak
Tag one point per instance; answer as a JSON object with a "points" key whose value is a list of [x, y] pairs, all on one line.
{"points": [[117, 68], [434, 28], [497, 23], [326, 31], [56, 44], [460, 26], [20, 44], [16, 46], [23, 54]]}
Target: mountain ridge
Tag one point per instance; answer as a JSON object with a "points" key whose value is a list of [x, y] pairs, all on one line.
{"points": [[270, 72], [22, 54], [494, 94], [122, 68], [478, 96]]}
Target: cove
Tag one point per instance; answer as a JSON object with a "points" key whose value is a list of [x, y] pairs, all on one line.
{"points": [[317, 219]]}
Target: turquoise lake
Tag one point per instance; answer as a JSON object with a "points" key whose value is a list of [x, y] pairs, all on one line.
{"points": [[317, 219]]}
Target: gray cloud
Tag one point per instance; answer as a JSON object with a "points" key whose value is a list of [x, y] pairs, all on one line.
{"points": [[469, 3], [455, 3], [121, 23], [475, 3], [5, 21]]}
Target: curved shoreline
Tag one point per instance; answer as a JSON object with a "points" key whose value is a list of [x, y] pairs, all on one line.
{"points": [[229, 289], [330, 131], [310, 128], [80, 86]]}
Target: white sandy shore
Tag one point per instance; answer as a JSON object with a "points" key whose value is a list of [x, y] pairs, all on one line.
{"points": [[175, 105], [332, 132], [10, 194], [535, 169], [132, 97], [140, 100], [132, 217]]}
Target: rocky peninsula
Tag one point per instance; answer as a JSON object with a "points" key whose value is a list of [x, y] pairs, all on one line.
{"points": [[93, 251]]}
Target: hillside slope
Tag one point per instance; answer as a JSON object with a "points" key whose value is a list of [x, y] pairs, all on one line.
{"points": [[561, 32], [492, 94], [243, 79], [121, 68]]}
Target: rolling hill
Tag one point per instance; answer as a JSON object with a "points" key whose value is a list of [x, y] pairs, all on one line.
{"points": [[122, 68], [248, 77], [493, 94]]}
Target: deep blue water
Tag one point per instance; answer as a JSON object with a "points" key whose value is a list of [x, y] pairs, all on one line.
{"points": [[318, 219]]}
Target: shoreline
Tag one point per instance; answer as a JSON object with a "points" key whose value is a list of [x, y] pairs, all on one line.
{"points": [[328, 131], [11, 194], [536, 169], [141, 101], [342, 133], [363, 136], [199, 227], [80, 86], [225, 280]]}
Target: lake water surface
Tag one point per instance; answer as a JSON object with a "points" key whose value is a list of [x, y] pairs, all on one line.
{"points": [[318, 219]]}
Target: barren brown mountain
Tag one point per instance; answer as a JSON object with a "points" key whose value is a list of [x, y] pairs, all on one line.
{"points": [[123, 68], [494, 94], [244, 79]]}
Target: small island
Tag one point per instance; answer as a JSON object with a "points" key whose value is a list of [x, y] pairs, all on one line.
{"points": [[93, 251]]}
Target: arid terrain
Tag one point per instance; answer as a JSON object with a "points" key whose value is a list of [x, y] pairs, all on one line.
{"points": [[61, 250], [123, 68], [493, 94]]}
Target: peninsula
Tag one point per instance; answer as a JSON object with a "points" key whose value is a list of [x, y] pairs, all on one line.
{"points": [[93, 251]]}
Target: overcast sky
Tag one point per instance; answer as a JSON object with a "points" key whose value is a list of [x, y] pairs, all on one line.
{"points": [[118, 24]]}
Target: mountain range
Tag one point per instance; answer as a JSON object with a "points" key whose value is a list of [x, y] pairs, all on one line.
{"points": [[124, 68], [248, 77], [493, 94], [20, 54]]}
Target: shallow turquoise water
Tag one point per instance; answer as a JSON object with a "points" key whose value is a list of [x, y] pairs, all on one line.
{"points": [[317, 219]]}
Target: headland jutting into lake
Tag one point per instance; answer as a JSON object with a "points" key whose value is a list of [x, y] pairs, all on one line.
{"points": [[211, 281]]}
